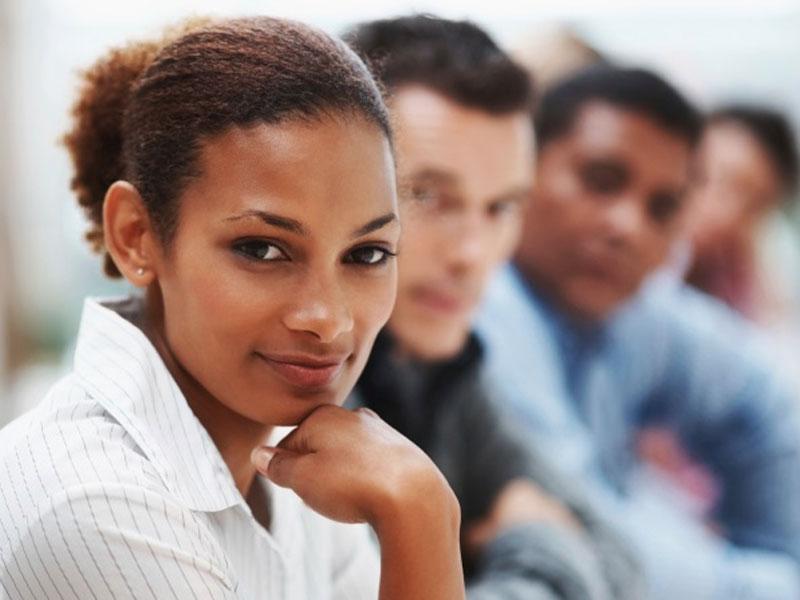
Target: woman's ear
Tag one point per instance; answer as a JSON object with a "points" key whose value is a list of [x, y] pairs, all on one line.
{"points": [[128, 234]]}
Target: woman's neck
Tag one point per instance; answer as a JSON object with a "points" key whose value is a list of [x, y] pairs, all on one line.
{"points": [[234, 436]]}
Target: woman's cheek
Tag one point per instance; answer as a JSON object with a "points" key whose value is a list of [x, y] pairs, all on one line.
{"points": [[373, 302], [235, 297], [386, 296]]}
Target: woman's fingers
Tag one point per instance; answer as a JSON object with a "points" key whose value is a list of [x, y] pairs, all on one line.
{"points": [[261, 458], [350, 466], [281, 466]]}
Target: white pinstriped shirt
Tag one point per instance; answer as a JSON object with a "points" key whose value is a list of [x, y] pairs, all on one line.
{"points": [[111, 488]]}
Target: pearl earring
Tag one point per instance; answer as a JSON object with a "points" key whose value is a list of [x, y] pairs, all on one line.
{"points": [[140, 271]]}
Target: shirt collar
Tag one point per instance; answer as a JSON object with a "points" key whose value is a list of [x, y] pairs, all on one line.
{"points": [[122, 371], [407, 393], [570, 333], [469, 358]]}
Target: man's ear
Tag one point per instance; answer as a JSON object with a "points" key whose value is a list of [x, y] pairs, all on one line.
{"points": [[128, 234]]}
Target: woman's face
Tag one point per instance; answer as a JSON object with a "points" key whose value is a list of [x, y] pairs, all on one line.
{"points": [[280, 273], [737, 186]]}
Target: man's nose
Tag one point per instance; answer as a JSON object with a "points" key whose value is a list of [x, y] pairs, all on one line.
{"points": [[466, 243], [624, 219]]}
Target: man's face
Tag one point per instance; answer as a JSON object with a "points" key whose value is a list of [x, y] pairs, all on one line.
{"points": [[464, 177], [606, 208]]}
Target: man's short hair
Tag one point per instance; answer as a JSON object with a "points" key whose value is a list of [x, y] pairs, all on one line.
{"points": [[772, 131], [631, 89], [454, 58]]}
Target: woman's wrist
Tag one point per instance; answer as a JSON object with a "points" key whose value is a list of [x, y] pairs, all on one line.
{"points": [[429, 504], [419, 534], [427, 510]]}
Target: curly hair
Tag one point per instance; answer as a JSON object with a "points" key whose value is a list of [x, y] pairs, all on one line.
{"points": [[144, 109]]}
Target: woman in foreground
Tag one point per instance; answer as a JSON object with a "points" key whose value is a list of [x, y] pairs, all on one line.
{"points": [[241, 174]]}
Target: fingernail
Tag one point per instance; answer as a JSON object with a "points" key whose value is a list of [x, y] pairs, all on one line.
{"points": [[261, 458]]}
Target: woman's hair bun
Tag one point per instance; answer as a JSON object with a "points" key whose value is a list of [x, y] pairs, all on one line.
{"points": [[95, 139]]}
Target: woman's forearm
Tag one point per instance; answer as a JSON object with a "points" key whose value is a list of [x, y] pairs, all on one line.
{"points": [[420, 553]]}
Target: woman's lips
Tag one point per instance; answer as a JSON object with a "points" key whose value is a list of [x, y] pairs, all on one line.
{"points": [[305, 372]]}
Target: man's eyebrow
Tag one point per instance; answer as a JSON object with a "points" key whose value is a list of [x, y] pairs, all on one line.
{"points": [[271, 219], [375, 224], [519, 194], [434, 175], [428, 176]]}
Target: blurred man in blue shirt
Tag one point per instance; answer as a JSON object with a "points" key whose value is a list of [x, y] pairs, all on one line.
{"points": [[588, 355]]}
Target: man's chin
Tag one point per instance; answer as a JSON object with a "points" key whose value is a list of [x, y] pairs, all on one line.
{"points": [[594, 304], [435, 346]]}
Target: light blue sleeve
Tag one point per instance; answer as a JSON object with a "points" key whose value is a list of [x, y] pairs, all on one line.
{"points": [[736, 415], [683, 559], [697, 369]]}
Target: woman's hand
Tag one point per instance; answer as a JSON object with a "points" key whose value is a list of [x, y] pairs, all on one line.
{"points": [[351, 466]]}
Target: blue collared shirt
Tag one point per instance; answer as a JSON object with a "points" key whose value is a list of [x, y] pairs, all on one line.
{"points": [[675, 358]]}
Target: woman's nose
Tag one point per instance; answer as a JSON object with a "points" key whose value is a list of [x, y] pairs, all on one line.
{"points": [[322, 309]]}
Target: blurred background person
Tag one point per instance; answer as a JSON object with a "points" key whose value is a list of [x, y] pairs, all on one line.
{"points": [[464, 139], [744, 251], [587, 359]]}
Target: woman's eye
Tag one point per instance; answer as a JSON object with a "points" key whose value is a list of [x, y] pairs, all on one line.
{"points": [[370, 256], [259, 250]]}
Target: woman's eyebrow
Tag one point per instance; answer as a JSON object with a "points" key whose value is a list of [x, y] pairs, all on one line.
{"points": [[296, 227], [272, 219], [375, 224]]}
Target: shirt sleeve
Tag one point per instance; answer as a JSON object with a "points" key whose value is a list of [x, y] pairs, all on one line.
{"points": [[538, 562], [683, 559], [687, 364], [735, 414], [595, 564], [114, 541]]}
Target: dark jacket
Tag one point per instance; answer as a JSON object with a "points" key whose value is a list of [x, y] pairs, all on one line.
{"points": [[447, 411]]}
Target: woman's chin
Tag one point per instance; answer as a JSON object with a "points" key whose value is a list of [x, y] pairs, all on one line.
{"points": [[295, 409]]}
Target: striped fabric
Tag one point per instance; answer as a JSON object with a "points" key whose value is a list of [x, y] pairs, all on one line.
{"points": [[111, 488]]}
